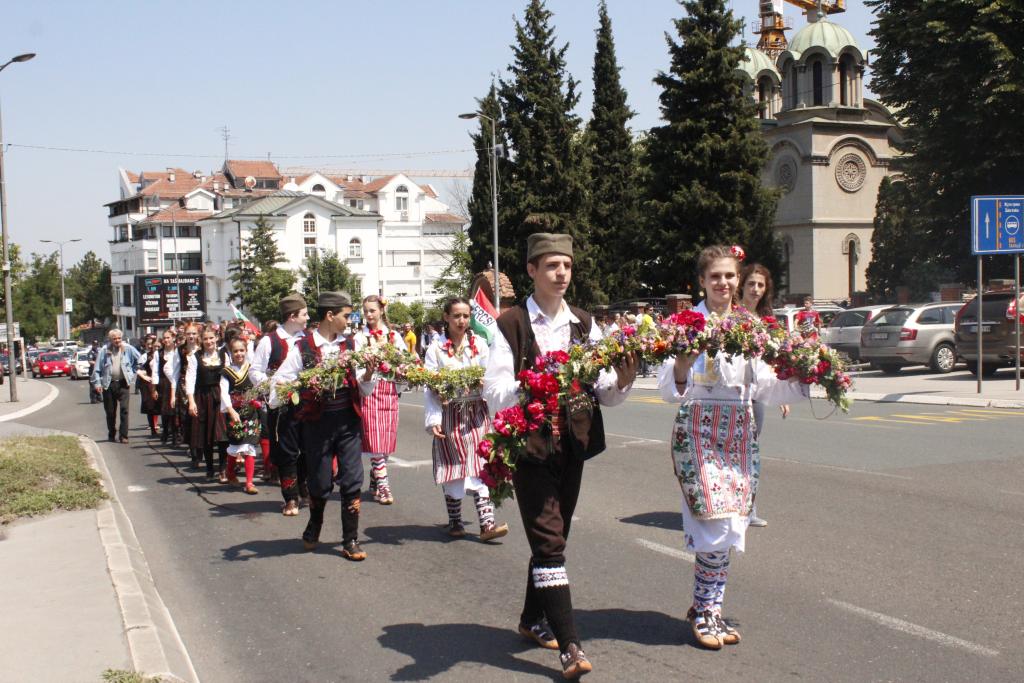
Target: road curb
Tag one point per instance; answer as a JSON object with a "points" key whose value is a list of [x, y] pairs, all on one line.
{"points": [[930, 399], [50, 397], [154, 643]]}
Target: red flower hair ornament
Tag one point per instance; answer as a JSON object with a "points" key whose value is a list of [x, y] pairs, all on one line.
{"points": [[738, 252]]}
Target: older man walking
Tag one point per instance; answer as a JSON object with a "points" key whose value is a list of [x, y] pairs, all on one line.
{"points": [[113, 377]]}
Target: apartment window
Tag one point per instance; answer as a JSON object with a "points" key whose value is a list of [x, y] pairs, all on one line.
{"points": [[122, 233], [309, 235], [356, 204], [355, 248], [169, 262], [126, 295], [190, 261], [319, 190], [401, 198], [167, 231], [151, 262]]}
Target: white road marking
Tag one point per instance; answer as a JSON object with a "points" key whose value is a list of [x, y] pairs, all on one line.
{"points": [[634, 438], [1012, 493], [666, 550], [50, 397], [915, 630], [841, 469], [135, 488], [398, 462]]}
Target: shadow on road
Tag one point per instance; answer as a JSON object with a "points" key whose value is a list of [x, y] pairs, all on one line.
{"points": [[438, 648], [630, 626], [258, 550], [658, 520], [398, 535]]}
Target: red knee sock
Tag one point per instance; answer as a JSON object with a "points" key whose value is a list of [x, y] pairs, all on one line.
{"points": [[230, 469], [250, 469]]}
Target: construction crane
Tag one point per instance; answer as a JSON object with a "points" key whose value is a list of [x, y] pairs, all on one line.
{"points": [[773, 25]]}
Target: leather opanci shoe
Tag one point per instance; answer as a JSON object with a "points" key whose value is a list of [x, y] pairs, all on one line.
{"points": [[352, 551], [539, 633], [575, 662]]}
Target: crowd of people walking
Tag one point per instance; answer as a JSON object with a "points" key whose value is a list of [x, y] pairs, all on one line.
{"points": [[190, 380]]}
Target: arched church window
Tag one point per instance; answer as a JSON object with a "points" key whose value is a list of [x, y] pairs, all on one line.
{"points": [[817, 85], [794, 89], [764, 89], [844, 83]]}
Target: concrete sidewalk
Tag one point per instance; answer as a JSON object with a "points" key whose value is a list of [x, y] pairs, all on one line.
{"points": [[920, 385], [33, 395]]}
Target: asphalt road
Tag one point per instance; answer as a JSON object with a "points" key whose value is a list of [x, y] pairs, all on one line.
{"points": [[893, 553]]}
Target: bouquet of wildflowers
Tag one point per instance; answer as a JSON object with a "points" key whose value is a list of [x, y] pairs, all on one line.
{"points": [[317, 384], [454, 383], [811, 362], [389, 363], [248, 405]]}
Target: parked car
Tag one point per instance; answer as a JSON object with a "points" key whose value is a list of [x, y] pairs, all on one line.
{"points": [[51, 364], [786, 316], [80, 368], [18, 367], [31, 355], [997, 332], [843, 332], [913, 334]]}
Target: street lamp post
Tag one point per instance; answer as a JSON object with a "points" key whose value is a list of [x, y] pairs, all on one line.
{"points": [[63, 297], [8, 302], [493, 167]]}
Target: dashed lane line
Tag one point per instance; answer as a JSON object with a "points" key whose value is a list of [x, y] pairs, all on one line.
{"points": [[399, 462], [667, 550], [916, 630], [836, 467]]}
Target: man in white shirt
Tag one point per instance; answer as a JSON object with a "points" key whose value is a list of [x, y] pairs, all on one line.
{"points": [[550, 470], [330, 423], [282, 430]]}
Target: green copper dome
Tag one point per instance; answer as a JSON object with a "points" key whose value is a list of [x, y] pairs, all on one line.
{"points": [[754, 62], [823, 33]]}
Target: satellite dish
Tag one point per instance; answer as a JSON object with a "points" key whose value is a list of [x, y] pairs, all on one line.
{"points": [[250, 182]]}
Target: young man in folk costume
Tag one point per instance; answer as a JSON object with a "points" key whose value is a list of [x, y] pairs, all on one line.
{"points": [[268, 357], [332, 426], [547, 478]]}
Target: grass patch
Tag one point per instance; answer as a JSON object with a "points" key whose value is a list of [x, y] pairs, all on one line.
{"points": [[40, 474], [122, 676]]}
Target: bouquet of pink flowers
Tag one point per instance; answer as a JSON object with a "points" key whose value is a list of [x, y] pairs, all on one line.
{"points": [[811, 362], [318, 383], [248, 405], [389, 362]]}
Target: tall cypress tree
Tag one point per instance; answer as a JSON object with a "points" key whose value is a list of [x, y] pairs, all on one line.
{"points": [[545, 182], [481, 210], [259, 282], [704, 184]]}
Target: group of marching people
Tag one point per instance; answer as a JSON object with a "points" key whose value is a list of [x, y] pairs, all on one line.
{"points": [[317, 444]]}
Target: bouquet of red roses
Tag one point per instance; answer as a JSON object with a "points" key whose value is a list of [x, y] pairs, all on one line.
{"points": [[811, 362], [248, 405]]}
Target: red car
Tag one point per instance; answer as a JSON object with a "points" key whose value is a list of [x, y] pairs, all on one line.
{"points": [[51, 365]]}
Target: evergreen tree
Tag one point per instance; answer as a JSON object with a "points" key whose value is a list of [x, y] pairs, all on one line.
{"points": [[481, 209], [892, 242], [327, 273], [88, 285], [544, 188], [955, 73], [457, 276], [259, 283], [703, 180], [615, 234]]}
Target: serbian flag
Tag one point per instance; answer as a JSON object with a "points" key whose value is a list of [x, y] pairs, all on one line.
{"points": [[248, 323], [484, 319]]}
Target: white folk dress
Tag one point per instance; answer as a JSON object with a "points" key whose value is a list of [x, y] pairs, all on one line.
{"points": [[464, 421], [714, 446]]}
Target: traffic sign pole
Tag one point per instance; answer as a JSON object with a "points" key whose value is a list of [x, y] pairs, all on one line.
{"points": [[1016, 312], [981, 300]]}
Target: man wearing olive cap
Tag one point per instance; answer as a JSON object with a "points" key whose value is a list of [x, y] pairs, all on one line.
{"points": [[266, 360], [330, 423], [548, 474]]}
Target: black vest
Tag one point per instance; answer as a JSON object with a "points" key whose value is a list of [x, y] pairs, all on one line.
{"points": [[207, 377]]}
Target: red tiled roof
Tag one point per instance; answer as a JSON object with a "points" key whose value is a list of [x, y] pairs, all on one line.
{"points": [[168, 190], [429, 189], [356, 194], [445, 218], [257, 169], [132, 177], [507, 291], [377, 184], [177, 214]]}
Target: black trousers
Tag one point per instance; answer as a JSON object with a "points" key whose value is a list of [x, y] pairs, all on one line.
{"points": [[286, 453], [336, 433], [115, 400]]}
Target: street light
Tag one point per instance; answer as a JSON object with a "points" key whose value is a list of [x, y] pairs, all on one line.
{"points": [[63, 299], [8, 303], [493, 166]]}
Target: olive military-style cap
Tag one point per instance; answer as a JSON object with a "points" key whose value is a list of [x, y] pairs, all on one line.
{"points": [[540, 243], [292, 303], [333, 300]]}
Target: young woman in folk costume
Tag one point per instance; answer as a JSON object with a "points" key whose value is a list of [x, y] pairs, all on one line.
{"points": [[202, 386], [235, 382], [147, 383], [166, 366], [458, 425], [379, 409], [188, 344], [756, 293], [714, 447]]}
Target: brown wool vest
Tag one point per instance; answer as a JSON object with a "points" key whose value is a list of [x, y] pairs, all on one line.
{"points": [[585, 436]]}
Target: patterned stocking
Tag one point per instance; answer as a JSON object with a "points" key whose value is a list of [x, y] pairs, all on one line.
{"points": [[454, 509], [710, 572], [552, 584], [484, 510]]}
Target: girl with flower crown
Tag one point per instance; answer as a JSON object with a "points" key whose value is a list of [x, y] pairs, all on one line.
{"points": [[379, 409], [459, 425], [714, 446]]}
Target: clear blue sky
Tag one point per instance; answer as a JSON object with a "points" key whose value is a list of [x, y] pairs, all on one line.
{"points": [[356, 80]]}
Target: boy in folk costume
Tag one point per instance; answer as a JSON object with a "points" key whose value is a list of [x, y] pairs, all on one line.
{"points": [[333, 428], [379, 409], [547, 478], [459, 425], [270, 353]]}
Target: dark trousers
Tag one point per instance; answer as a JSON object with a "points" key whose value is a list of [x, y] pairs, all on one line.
{"points": [[286, 453], [336, 433], [115, 400], [547, 494]]}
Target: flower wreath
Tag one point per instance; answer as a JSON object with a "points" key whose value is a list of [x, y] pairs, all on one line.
{"points": [[738, 252]]}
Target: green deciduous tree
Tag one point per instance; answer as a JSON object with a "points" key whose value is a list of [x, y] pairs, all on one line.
{"points": [[258, 282], [457, 275], [703, 181], [327, 273], [954, 71], [88, 284], [37, 297], [614, 220]]}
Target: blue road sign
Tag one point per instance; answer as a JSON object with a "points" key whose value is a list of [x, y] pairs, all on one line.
{"points": [[996, 225]]}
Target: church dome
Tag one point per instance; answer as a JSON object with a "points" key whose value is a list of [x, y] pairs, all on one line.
{"points": [[823, 34], [754, 62]]}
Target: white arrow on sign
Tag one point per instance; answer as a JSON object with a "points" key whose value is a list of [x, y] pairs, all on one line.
{"points": [[986, 226]]}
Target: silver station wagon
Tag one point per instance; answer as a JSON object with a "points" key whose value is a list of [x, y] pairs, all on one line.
{"points": [[914, 334]]}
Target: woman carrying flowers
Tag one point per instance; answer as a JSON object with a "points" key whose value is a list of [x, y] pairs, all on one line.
{"points": [[459, 423], [714, 443], [242, 412], [379, 409], [202, 386]]}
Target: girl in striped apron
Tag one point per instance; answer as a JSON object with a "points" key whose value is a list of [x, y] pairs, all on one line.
{"points": [[714, 447], [458, 425], [379, 409]]}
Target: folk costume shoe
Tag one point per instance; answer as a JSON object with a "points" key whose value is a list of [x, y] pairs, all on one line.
{"points": [[575, 662], [311, 536], [351, 550], [456, 529], [539, 633], [705, 629], [730, 636], [491, 531]]}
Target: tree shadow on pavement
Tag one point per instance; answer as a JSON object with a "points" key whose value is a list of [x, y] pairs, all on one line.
{"points": [[399, 535], [263, 549], [440, 647], [658, 520]]}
